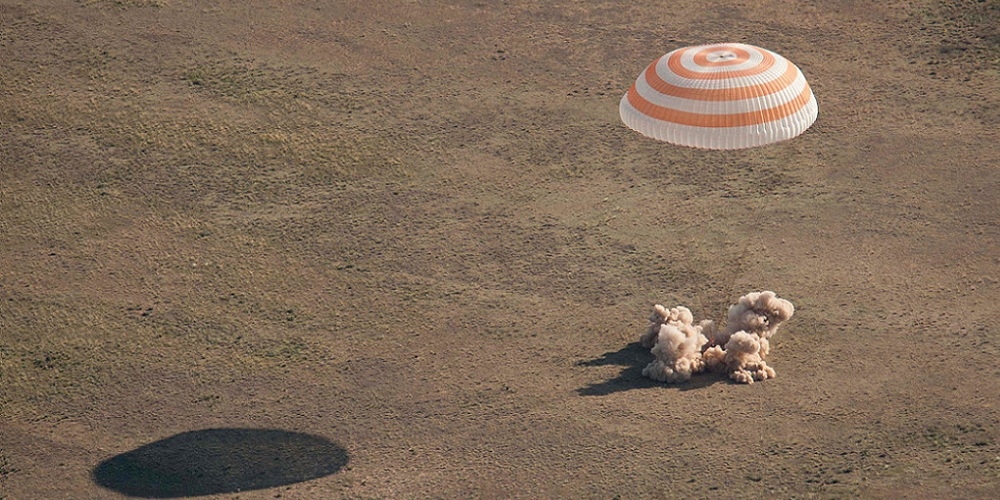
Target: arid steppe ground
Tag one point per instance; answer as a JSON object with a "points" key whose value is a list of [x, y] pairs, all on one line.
{"points": [[417, 232]]}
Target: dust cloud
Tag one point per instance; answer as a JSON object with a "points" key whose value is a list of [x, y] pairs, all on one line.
{"points": [[682, 348]]}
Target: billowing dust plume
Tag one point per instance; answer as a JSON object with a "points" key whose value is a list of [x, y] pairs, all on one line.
{"points": [[682, 348]]}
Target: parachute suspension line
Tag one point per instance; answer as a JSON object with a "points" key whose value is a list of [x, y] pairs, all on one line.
{"points": [[738, 267]]}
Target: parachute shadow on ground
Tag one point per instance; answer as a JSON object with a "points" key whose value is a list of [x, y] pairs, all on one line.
{"points": [[219, 461]]}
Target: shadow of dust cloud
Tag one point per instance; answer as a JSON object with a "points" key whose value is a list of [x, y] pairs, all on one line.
{"points": [[215, 461]]}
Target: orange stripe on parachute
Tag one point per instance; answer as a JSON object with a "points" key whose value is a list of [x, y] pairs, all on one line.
{"points": [[728, 94], [718, 121], [675, 65]]}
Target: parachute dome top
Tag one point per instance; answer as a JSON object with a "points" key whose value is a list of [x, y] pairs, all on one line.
{"points": [[720, 96]]}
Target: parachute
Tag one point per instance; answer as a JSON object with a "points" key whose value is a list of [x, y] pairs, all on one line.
{"points": [[720, 96]]}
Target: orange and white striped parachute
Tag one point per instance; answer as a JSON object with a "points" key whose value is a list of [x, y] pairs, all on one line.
{"points": [[721, 96]]}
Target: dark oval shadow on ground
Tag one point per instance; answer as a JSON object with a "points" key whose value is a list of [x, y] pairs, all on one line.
{"points": [[214, 461]]}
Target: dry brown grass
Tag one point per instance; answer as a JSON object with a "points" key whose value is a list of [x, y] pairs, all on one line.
{"points": [[419, 230]]}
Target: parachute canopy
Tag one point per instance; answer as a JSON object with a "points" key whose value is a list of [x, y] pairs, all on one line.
{"points": [[720, 96]]}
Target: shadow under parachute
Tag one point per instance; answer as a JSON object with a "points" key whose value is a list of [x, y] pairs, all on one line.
{"points": [[215, 461], [634, 357]]}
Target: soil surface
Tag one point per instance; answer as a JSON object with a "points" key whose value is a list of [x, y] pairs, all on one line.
{"points": [[405, 249]]}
